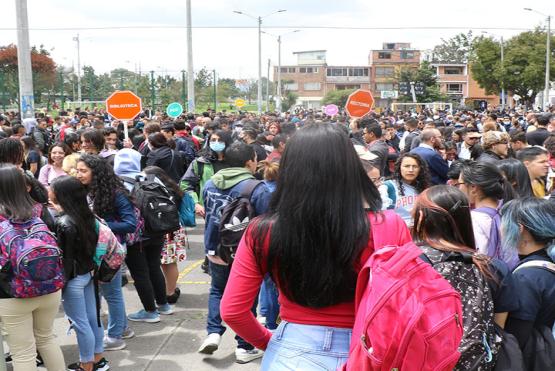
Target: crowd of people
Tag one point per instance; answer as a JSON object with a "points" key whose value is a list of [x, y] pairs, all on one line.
{"points": [[315, 188]]}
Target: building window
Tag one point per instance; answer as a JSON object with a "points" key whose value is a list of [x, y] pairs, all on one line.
{"points": [[291, 86], [358, 71], [337, 72], [288, 70], [454, 88], [384, 87], [453, 70], [407, 54], [308, 69], [384, 55], [347, 87], [311, 86], [385, 71], [390, 46]]}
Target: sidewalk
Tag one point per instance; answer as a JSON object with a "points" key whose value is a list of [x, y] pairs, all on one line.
{"points": [[172, 344]]}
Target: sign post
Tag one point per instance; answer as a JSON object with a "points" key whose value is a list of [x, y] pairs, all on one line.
{"points": [[239, 103], [359, 103], [174, 109], [123, 105]]}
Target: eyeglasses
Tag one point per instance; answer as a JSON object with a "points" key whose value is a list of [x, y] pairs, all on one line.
{"points": [[458, 184], [377, 180]]}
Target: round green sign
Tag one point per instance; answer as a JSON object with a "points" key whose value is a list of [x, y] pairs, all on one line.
{"points": [[174, 109]]}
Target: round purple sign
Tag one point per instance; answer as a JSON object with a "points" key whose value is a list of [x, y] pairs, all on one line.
{"points": [[331, 110]]}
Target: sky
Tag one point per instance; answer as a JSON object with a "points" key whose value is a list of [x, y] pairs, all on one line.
{"points": [[124, 33]]}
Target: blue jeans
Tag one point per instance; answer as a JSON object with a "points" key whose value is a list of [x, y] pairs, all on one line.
{"points": [[117, 319], [269, 305], [220, 275], [306, 347], [80, 306]]}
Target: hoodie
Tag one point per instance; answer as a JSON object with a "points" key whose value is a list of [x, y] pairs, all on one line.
{"points": [[127, 163], [225, 186]]}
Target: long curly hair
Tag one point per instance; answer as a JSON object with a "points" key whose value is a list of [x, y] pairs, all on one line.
{"points": [[104, 184], [422, 181]]}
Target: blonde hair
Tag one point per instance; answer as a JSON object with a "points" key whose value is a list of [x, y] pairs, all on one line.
{"points": [[491, 138], [269, 169]]}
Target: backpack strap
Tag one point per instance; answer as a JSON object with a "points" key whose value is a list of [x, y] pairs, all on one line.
{"points": [[542, 264], [248, 189]]}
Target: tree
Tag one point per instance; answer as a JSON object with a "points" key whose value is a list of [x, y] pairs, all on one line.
{"points": [[337, 97], [43, 67], [289, 100], [457, 49], [425, 75], [523, 69]]}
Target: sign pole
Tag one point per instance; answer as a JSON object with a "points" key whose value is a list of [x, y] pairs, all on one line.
{"points": [[125, 130]]}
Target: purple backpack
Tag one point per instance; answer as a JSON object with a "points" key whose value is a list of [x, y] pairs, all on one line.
{"points": [[494, 240], [30, 260]]}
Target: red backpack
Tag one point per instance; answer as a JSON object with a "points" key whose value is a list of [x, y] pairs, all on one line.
{"points": [[408, 317]]}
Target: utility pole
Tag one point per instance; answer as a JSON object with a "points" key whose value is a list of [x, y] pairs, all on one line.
{"points": [[259, 93], [183, 89], [152, 95], [215, 92], [24, 67], [121, 87], [502, 68], [547, 54], [190, 72], [62, 97], [278, 100], [268, 88], [76, 39]]}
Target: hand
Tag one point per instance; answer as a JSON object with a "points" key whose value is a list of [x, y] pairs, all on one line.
{"points": [[199, 210], [127, 143]]}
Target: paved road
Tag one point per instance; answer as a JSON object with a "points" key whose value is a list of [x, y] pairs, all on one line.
{"points": [[172, 344]]}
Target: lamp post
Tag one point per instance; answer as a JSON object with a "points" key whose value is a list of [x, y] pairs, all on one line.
{"points": [[278, 97], [502, 67], [545, 99], [259, 20], [76, 39]]}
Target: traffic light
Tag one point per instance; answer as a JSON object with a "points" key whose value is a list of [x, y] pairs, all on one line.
{"points": [[404, 88]]}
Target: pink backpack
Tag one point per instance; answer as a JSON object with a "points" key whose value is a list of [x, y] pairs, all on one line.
{"points": [[408, 317]]}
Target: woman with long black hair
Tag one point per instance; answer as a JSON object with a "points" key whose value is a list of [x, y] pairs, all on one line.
{"points": [[487, 189], [313, 242], [77, 237], [410, 178], [517, 174], [109, 199]]}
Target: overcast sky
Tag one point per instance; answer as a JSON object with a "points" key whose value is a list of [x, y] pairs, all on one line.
{"points": [[233, 51]]}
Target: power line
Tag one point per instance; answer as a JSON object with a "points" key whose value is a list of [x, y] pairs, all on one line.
{"points": [[386, 28]]}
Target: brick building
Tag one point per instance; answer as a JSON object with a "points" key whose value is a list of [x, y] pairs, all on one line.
{"points": [[456, 81], [386, 64]]}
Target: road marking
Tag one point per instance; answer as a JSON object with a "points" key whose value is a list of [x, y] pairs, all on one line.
{"points": [[190, 268]]}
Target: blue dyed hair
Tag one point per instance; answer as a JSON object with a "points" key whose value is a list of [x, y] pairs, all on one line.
{"points": [[535, 215]]}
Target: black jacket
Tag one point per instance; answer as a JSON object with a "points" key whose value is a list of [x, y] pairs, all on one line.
{"points": [[69, 242], [168, 160]]}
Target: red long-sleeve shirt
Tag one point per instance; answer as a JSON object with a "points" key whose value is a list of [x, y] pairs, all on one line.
{"points": [[246, 277]]}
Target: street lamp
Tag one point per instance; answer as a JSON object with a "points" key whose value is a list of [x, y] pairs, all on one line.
{"points": [[278, 100], [259, 20], [545, 99], [502, 68]]}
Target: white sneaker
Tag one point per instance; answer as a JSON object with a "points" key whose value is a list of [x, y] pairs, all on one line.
{"points": [[245, 356], [210, 344]]}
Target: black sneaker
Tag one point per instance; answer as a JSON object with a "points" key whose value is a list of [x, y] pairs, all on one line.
{"points": [[75, 367], [124, 280], [8, 357], [40, 362], [172, 299], [101, 365]]}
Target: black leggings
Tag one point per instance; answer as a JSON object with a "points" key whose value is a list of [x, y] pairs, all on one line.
{"points": [[143, 261]]}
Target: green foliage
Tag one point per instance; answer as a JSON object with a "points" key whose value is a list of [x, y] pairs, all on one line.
{"points": [[337, 97], [425, 74], [457, 49], [523, 69], [289, 100]]}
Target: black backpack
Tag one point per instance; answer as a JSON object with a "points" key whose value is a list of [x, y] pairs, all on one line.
{"points": [[235, 218], [479, 345], [157, 205]]}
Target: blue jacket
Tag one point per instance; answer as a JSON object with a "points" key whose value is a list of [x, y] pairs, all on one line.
{"points": [[225, 186], [123, 220], [436, 164]]}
